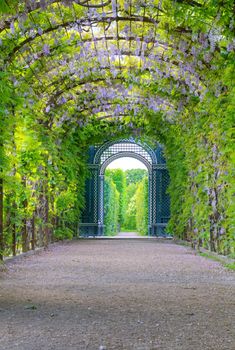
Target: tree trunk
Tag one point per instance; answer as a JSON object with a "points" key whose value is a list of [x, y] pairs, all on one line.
{"points": [[33, 232], [46, 215], [14, 231], [1, 220], [25, 245]]}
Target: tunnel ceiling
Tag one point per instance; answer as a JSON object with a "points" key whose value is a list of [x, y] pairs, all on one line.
{"points": [[75, 61]]}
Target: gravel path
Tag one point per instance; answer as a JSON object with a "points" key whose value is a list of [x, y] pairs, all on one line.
{"points": [[128, 235], [117, 294]]}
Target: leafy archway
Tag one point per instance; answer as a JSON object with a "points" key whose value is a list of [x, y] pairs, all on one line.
{"points": [[74, 73]]}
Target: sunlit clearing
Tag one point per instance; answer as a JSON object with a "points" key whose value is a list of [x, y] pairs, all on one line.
{"points": [[126, 163]]}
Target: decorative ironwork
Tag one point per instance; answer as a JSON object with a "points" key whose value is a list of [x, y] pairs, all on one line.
{"points": [[100, 157], [122, 154], [129, 145], [117, 148]]}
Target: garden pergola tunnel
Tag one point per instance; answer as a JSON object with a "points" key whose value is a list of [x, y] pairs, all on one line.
{"points": [[80, 73]]}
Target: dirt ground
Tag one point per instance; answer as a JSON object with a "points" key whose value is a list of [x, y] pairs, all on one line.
{"points": [[117, 294]]}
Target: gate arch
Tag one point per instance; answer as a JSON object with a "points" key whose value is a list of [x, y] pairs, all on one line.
{"points": [[123, 155], [92, 220]]}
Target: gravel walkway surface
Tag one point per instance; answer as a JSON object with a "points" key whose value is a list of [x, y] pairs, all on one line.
{"points": [[117, 294], [128, 235]]}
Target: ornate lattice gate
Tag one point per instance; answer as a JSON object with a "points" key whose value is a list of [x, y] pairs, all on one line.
{"points": [[92, 220]]}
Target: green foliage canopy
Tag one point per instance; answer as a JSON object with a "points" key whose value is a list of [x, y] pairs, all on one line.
{"points": [[74, 74]]}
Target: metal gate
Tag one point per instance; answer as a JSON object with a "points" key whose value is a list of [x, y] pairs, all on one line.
{"points": [[92, 219]]}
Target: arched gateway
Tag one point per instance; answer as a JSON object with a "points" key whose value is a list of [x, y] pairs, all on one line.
{"points": [[92, 220]]}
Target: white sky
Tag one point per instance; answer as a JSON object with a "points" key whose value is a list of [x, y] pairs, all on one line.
{"points": [[126, 163]]}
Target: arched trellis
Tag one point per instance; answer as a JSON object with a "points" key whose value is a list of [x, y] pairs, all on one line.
{"points": [[92, 223], [123, 154], [147, 152], [102, 30], [180, 46]]}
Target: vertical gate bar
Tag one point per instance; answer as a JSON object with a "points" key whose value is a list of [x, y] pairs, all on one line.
{"points": [[150, 211], [101, 205]]}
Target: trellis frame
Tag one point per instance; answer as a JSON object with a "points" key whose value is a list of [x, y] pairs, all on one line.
{"points": [[92, 220]]}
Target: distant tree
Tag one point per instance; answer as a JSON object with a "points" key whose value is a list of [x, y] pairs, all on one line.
{"points": [[135, 175], [111, 207], [130, 212], [119, 179], [142, 207]]}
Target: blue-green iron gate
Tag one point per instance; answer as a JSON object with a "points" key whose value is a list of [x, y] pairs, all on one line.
{"points": [[92, 219]]}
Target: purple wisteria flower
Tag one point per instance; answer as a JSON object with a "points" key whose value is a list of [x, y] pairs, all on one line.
{"points": [[46, 50]]}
